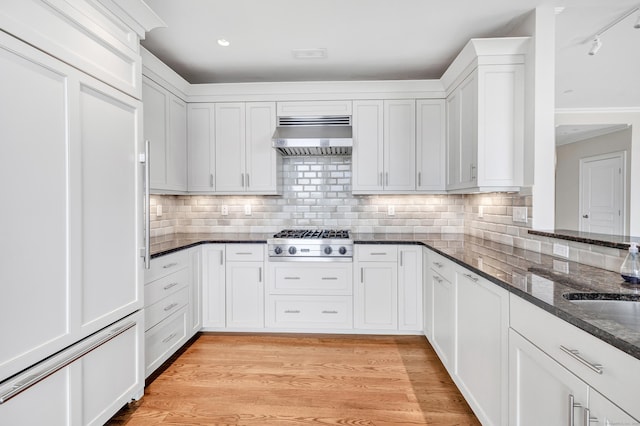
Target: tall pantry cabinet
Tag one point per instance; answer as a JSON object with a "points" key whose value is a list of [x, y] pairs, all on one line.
{"points": [[71, 124]]}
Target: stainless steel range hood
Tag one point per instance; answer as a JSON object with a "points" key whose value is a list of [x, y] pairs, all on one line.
{"points": [[326, 135]]}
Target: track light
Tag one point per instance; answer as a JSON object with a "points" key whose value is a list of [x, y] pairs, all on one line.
{"points": [[597, 44]]}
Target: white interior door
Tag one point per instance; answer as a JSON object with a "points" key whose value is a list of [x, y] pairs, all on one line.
{"points": [[602, 194]]}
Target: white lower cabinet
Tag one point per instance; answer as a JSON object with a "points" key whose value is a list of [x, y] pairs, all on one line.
{"points": [[427, 296], [172, 306], [611, 376], [309, 295], [213, 286], [410, 287], [482, 350], [469, 332], [245, 285], [540, 389], [376, 287]]}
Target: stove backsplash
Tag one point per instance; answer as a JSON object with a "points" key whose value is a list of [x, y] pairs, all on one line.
{"points": [[316, 194]]}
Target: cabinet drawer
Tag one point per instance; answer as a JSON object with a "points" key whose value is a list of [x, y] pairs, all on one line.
{"points": [[376, 253], [164, 339], [620, 378], [310, 312], [310, 278], [165, 307], [165, 265], [442, 265], [245, 252], [164, 286]]}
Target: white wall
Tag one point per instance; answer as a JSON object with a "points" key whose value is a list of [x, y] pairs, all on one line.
{"points": [[629, 116], [568, 173]]}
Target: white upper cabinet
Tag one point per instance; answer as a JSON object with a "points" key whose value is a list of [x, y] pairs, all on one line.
{"points": [[485, 116], [165, 127], [201, 158], [384, 146], [244, 159], [368, 145], [431, 145]]}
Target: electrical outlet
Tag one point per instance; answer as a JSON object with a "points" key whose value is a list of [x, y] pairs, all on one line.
{"points": [[247, 209], [391, 210], [560, 250], [519, 214], [480, 212], [224, 210], [159, 210]]}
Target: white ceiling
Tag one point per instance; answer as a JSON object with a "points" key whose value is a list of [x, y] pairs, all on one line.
{"points": [[389, 39]]}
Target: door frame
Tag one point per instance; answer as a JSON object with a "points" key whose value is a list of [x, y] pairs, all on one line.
{"points": [[622, 155]]}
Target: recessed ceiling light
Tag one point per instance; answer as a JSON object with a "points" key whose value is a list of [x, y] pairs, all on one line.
{"points": [[223, 42]]}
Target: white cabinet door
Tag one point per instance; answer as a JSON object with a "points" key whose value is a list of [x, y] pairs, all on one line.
{"points": [[177, 145], [462, 142], [410, 288], [368, 152], [213, 286], [603, 412], [444, 317], [376, 295], [201, 147], [155, 100], [230, 147], [482, 352], [399, 145], [427, 296], [540, 389], [165, 127], [195, 289], [431, 145], [245, 294], [261, 158]]}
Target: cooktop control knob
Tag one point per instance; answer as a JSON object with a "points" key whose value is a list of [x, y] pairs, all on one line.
{"points": [[278, 250], [342, 250], [328, 250], [292, 250]]}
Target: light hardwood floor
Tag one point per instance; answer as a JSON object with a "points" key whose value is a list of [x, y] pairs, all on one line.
{"points": [[267, 379]]}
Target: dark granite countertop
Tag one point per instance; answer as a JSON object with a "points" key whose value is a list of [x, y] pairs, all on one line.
{"points": [[614, 241], [538, 278]]}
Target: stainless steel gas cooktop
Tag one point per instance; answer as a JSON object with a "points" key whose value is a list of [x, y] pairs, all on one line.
{"points": [[311, 244]]}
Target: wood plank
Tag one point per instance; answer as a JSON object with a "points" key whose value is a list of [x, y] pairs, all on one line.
{"points": [[273, 379]]}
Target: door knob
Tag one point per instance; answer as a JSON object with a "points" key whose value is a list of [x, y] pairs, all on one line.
{"points": [[586, 216]]}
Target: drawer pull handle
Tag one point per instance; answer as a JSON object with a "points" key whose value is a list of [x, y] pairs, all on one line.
{"points": [[171, 306], [572, 406], [243, 253], [171, 336], [168, 286], [575, 354], [292, 311], [169, 265], [438, 264], [329, 312], [291, 278], [471, 277], [329, 278], [378, 254], [437, 278]]}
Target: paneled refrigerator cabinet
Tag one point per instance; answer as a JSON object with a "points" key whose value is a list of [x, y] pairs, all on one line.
{"points": [[72, 335]]}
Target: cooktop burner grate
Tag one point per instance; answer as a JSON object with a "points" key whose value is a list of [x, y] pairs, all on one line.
{"points": [[313, 234]]}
